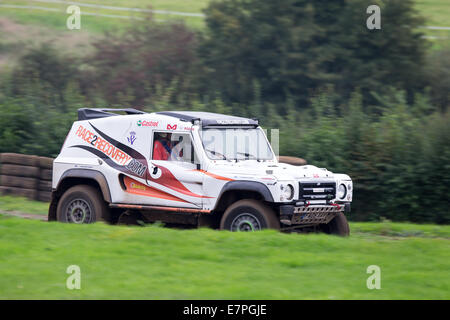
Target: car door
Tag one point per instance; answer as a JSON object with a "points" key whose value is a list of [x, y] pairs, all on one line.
{"points": [[173, 170]]}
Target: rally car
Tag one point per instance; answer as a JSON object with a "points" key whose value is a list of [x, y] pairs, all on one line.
{"points": [[189, 168]]}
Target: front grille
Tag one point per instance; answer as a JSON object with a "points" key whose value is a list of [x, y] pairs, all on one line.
{"points": [[317, 191]]}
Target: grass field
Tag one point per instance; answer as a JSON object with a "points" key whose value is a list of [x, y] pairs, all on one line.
{"points": [[40, 14], [20, 204], [436, 12], [152, 262]]}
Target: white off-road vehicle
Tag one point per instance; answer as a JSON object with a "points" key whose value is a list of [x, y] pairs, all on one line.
{"points": [[190, 168]]}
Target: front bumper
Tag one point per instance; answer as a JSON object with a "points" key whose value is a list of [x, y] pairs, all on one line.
{"points": [[312, 214]]}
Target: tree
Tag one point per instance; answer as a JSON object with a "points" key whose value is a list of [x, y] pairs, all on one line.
{"points": [[131, 68], [294, 47]]}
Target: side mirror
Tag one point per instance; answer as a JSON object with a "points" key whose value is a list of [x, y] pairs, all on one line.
{"points": [[198, 166]]}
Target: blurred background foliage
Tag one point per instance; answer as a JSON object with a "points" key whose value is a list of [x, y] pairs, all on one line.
{"points": [[369, 103]]}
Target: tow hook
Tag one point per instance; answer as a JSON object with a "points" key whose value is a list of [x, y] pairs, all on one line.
{"points": [[336, 205]]}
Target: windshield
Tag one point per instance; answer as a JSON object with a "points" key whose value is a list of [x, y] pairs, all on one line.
{"points": [[236, 144]]}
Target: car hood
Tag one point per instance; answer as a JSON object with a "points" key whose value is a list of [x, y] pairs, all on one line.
{"points": [[250, 169]]}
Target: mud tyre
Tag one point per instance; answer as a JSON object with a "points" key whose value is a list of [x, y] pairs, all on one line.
{"points": [[18, 182], [46, 174], [45, 163], [28, 193], [292, 160], [338, 226], [249, 215], [19, 159], [44, 196], [20, 171], [45, 185], [82, 204]]}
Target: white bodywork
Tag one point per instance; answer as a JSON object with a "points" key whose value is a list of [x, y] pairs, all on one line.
{"points": [[121, 146]]}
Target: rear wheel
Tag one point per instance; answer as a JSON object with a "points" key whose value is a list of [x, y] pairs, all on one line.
{"points": [[338, 226], [82, 204], [249, 215]]}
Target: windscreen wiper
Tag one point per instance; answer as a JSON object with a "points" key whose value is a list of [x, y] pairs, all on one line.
{"points": [[248, 155], [216, 153]]}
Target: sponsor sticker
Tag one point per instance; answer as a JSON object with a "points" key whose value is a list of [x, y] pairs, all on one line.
{"points": [[145, 123], [132, 137], [137, 186], [102, 145], [232, 121], [136, 167]]}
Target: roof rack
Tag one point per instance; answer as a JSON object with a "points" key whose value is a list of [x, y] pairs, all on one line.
{"points": [[95, 113], [209, 119], [180, 116]]}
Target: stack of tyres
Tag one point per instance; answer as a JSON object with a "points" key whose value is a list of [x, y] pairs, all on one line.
{"points": [[45, 179], [19, 175], [292, 160]]}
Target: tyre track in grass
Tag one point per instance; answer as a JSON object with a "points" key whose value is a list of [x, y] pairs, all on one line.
{"points": [[24, 215]]}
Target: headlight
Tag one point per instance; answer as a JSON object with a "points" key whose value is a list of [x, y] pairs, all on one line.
{"points": [[287, 191], [341, 191]]}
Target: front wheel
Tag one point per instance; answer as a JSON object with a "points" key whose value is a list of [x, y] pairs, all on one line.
{"points": [[249, 215], [338, 226], [82, 204]]}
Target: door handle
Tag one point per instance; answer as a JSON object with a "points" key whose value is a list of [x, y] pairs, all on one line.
{"points": [[155, 172]]}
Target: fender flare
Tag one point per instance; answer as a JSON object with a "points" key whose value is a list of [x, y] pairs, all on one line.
{"points": [[95, 175], [88, 174], [245, 185]]}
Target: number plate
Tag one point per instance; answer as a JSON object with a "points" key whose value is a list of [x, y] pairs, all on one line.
{"points": [[321, 190]]}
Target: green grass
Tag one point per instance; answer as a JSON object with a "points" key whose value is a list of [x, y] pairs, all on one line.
{"points": [[192, 6], [386, 228], [57, 20], [395, 229], [436, 12], [13, 203], [160, 263]]}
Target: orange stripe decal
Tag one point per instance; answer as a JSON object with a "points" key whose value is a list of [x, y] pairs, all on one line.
{"points": [[135, 187], [215, 176], [143, 207]]}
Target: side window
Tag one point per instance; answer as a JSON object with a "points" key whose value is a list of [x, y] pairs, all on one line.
{"points": [[171, 146]]}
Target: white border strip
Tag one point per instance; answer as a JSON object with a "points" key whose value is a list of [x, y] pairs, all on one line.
{"points": [[437, 28], [13, 6], [91, 5]]}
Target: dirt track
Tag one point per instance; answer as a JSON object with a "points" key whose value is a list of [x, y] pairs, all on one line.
{"points": [[24, 215]]}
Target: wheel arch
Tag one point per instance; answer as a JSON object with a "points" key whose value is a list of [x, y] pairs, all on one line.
{"points": [[74, 177], [265, 216], [237, 190]]}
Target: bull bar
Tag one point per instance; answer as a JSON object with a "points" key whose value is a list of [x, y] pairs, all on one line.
{"points": [[311, 214]]}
